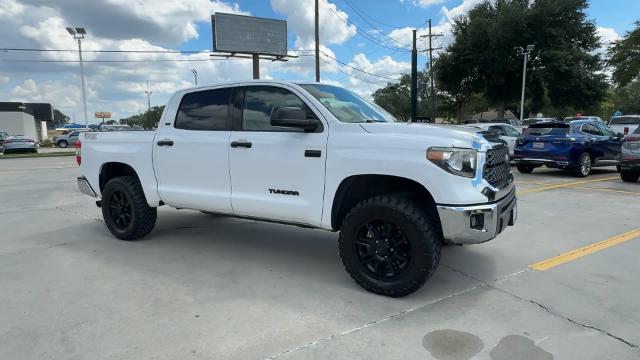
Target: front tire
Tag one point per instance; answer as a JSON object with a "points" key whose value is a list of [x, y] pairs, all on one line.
{"points": [[583, 168], [389, 245], [630, 176], [125, 209], [525, 169], [63, 144]]}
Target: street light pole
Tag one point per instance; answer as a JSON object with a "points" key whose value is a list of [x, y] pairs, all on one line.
{"points": [[148, 93], [524, 75], [79, 33]]}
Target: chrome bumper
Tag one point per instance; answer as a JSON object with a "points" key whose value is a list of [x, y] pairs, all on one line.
{"points": [[85, 187], [476, 224]]}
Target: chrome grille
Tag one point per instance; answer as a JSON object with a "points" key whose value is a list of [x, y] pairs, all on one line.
{"points": [[497, 169]]}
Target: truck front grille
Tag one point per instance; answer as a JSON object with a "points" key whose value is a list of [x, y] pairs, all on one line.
{"points": [[497, 169]]}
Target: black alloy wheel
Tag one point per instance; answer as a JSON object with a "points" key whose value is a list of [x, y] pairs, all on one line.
{"points": [[120, 209], [382, 249]]}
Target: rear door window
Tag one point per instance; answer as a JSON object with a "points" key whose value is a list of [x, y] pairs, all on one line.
{"points": [[590, 129], [204, 110]]}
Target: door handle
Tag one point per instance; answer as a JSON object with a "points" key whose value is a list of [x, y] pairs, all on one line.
{"points": [[241, 143], [165, 142]]}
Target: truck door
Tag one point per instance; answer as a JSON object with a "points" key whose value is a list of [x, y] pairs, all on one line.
{"points": [[613, 142], [277, 173], [191, 152]]}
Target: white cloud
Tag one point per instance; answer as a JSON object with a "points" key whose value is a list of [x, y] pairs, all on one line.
{"points": [[300, 16], [3, 79], [427, 3], [365, 84], [607, 35]]}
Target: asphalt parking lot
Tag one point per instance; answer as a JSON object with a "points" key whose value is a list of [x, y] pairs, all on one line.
{"points": [[202, 287]]}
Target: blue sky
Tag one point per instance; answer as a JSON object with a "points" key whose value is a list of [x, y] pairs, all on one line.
{"points": [[185, 25]]}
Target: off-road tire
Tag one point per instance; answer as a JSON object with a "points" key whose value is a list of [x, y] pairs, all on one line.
{"points": [[578, 170], [525, 169], [423, 237], [63, 144], [143, 216], [630, 176]]}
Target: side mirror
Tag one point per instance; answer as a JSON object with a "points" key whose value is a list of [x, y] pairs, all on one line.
{"points": [[619, 135], [294, 117]]}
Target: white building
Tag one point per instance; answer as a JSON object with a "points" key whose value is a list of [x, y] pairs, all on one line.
{"points": [[28, 119]]}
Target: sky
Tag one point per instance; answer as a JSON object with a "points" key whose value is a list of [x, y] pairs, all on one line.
{"points": [[364, 45]]}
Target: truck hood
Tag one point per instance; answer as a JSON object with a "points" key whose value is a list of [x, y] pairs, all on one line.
{"points": [[445, 135]]}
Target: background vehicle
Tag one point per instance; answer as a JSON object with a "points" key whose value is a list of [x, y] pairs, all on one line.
{"points": [[578, 145], [528, 121], [19, 143], [114, 127], [626, 124], [312, 155], [630, 163], [582, 117], [3, 135], [506, 132], [68, 139]]}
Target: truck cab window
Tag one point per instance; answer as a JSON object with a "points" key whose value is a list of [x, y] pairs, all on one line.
{"points": [[204, 110], [259, 103]]}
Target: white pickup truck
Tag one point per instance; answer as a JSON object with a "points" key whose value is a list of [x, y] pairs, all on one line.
{"points": [[311, 155]]}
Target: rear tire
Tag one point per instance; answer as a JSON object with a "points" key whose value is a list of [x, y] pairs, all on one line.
{"points": [[389, 245], [63, 144], [630, 176], [583, 167], [525, 169], [125, 209]]}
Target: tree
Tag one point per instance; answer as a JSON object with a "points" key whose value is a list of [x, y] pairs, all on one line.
{"points": [[59, 119], [563, 69], [625, 99], [147, 120], [396, 98], [624, 57]]}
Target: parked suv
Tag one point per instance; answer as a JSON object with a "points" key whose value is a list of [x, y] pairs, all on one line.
{"points": [[630, 165], [577, 146], [311, 155]]}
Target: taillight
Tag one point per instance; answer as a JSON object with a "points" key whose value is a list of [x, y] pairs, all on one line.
{"points": [[78, 152], [626, 130]]}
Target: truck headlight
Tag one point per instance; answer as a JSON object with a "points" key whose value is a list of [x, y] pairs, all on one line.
{"points": [[461, 162]]}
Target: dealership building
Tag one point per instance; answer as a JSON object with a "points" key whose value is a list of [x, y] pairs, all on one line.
{"points": [[28, 119]]}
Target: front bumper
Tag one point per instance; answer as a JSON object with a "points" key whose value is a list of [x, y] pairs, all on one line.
{"points": [[476, 224], [85, 187]]}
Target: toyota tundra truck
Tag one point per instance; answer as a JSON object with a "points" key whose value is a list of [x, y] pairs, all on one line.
{"points": [[311, 155]]}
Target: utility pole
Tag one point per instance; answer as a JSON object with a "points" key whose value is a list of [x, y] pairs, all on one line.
{"points": [[195, 76], [79, 33], [430, 50], [526, 54], [317, 28], [414, 79], [148, 96]]}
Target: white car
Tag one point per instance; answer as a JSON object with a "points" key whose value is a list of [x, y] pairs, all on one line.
{"points": [[311, 155], [506, 132], [625, 124]]}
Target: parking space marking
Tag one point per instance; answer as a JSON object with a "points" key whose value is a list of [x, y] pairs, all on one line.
{"points": [[584, 251], [606, 190], [528, 182], [565, 185]]}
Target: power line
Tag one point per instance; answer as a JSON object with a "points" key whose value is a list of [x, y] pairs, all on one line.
{"points": [[358, 69], [380, 22], [361, 32], [102, 61], [373, 26], [351, 75], [120, 51]]}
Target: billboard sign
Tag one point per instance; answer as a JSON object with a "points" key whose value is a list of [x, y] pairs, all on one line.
{"points": [[249, 35], [102, 115]]}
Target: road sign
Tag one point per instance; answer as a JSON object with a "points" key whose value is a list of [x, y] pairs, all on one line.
{"points": [[249, 35], [102, 115]]}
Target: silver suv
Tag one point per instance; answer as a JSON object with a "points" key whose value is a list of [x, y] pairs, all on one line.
{"points": [[630, 164], [68, 139]]}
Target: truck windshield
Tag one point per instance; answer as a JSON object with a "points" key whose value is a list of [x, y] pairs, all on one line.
{"points": [[347, 106]]}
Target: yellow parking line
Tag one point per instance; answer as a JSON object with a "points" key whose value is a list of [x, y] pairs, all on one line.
{"points": [[607, 190], [527, 182], [584, 251], [564, 185]]}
